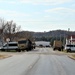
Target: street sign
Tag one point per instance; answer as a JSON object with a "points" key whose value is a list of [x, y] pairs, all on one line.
{"points": [[7, 39]]}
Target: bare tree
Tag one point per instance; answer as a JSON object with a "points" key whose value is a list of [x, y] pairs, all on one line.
{"points": [[25, 35], [8, 29], [11, 30], [2, 28]]}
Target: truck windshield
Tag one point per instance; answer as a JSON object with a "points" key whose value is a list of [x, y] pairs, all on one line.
{"points": [[22, 41]]}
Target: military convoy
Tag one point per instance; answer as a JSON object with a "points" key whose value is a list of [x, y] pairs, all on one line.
{"points": [[21, 45]]}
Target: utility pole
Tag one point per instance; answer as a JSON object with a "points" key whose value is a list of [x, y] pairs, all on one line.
{"points": [[64, 39], [68, 29], [68, 35]]}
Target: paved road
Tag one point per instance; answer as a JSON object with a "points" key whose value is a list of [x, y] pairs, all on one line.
{"points": [[41, 61]]}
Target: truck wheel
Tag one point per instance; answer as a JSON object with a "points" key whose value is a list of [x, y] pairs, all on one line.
{"points": [[30, 48], [23, 50], [54, 49], [7, 50], [68, 50], [34, 47], [18, 50], [27, 49], [59, 49], [2, 49]]}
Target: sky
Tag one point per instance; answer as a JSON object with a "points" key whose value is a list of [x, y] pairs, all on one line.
{"points": [[39, 15]]}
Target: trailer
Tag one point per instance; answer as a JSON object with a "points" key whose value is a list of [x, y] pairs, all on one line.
{"points": [[57, 45]]}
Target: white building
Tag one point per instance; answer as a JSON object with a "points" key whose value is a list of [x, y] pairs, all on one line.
{"points": [[70, 39]]}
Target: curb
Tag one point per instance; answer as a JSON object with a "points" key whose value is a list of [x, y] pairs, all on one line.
{"points": [[71, 57]]}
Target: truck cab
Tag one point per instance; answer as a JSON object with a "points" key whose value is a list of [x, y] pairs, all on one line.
{"points": [[24, 44]]}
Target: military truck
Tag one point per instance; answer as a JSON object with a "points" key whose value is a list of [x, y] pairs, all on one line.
{"points": [[24, 44], [10, 46], [57, 45]]}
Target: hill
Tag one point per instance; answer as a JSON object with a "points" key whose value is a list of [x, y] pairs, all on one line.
{"points": [[54, 33], [45, 36]]}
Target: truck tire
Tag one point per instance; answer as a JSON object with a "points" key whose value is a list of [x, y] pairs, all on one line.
{"points": [[68, 50], [59, 49], [27, 49], [2, 49], [7, 50], [53, 49], [18, 50]]}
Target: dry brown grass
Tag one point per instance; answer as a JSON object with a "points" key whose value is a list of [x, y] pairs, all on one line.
{"points": [[73, 56], [4, 56]]}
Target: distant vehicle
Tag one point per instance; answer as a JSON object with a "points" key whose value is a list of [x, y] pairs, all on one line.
{"points": [[41, 45], [24, 44], [48, 45], [57, 45], [10, 46], [69, 47]]}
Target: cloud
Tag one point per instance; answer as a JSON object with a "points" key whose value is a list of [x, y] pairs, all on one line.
{"points": [[60, 10], [73, 5], [45, 2], [37, 13], [8, 1], [7, 14], [47, 16], [36, 2]]}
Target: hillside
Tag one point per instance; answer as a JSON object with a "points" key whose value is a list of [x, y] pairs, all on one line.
{"points": [[45, 36], [55, 33]]}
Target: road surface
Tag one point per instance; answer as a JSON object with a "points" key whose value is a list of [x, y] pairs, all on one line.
{"points": [[41, 61]]}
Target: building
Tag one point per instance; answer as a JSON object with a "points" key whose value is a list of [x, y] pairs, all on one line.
{"points": [[70, 39]]}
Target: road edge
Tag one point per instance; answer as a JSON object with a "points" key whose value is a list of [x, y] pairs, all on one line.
{"points": [[71, 57]]}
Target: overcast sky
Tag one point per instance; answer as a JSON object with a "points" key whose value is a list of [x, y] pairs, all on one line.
{"points": [[40, 15]]}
